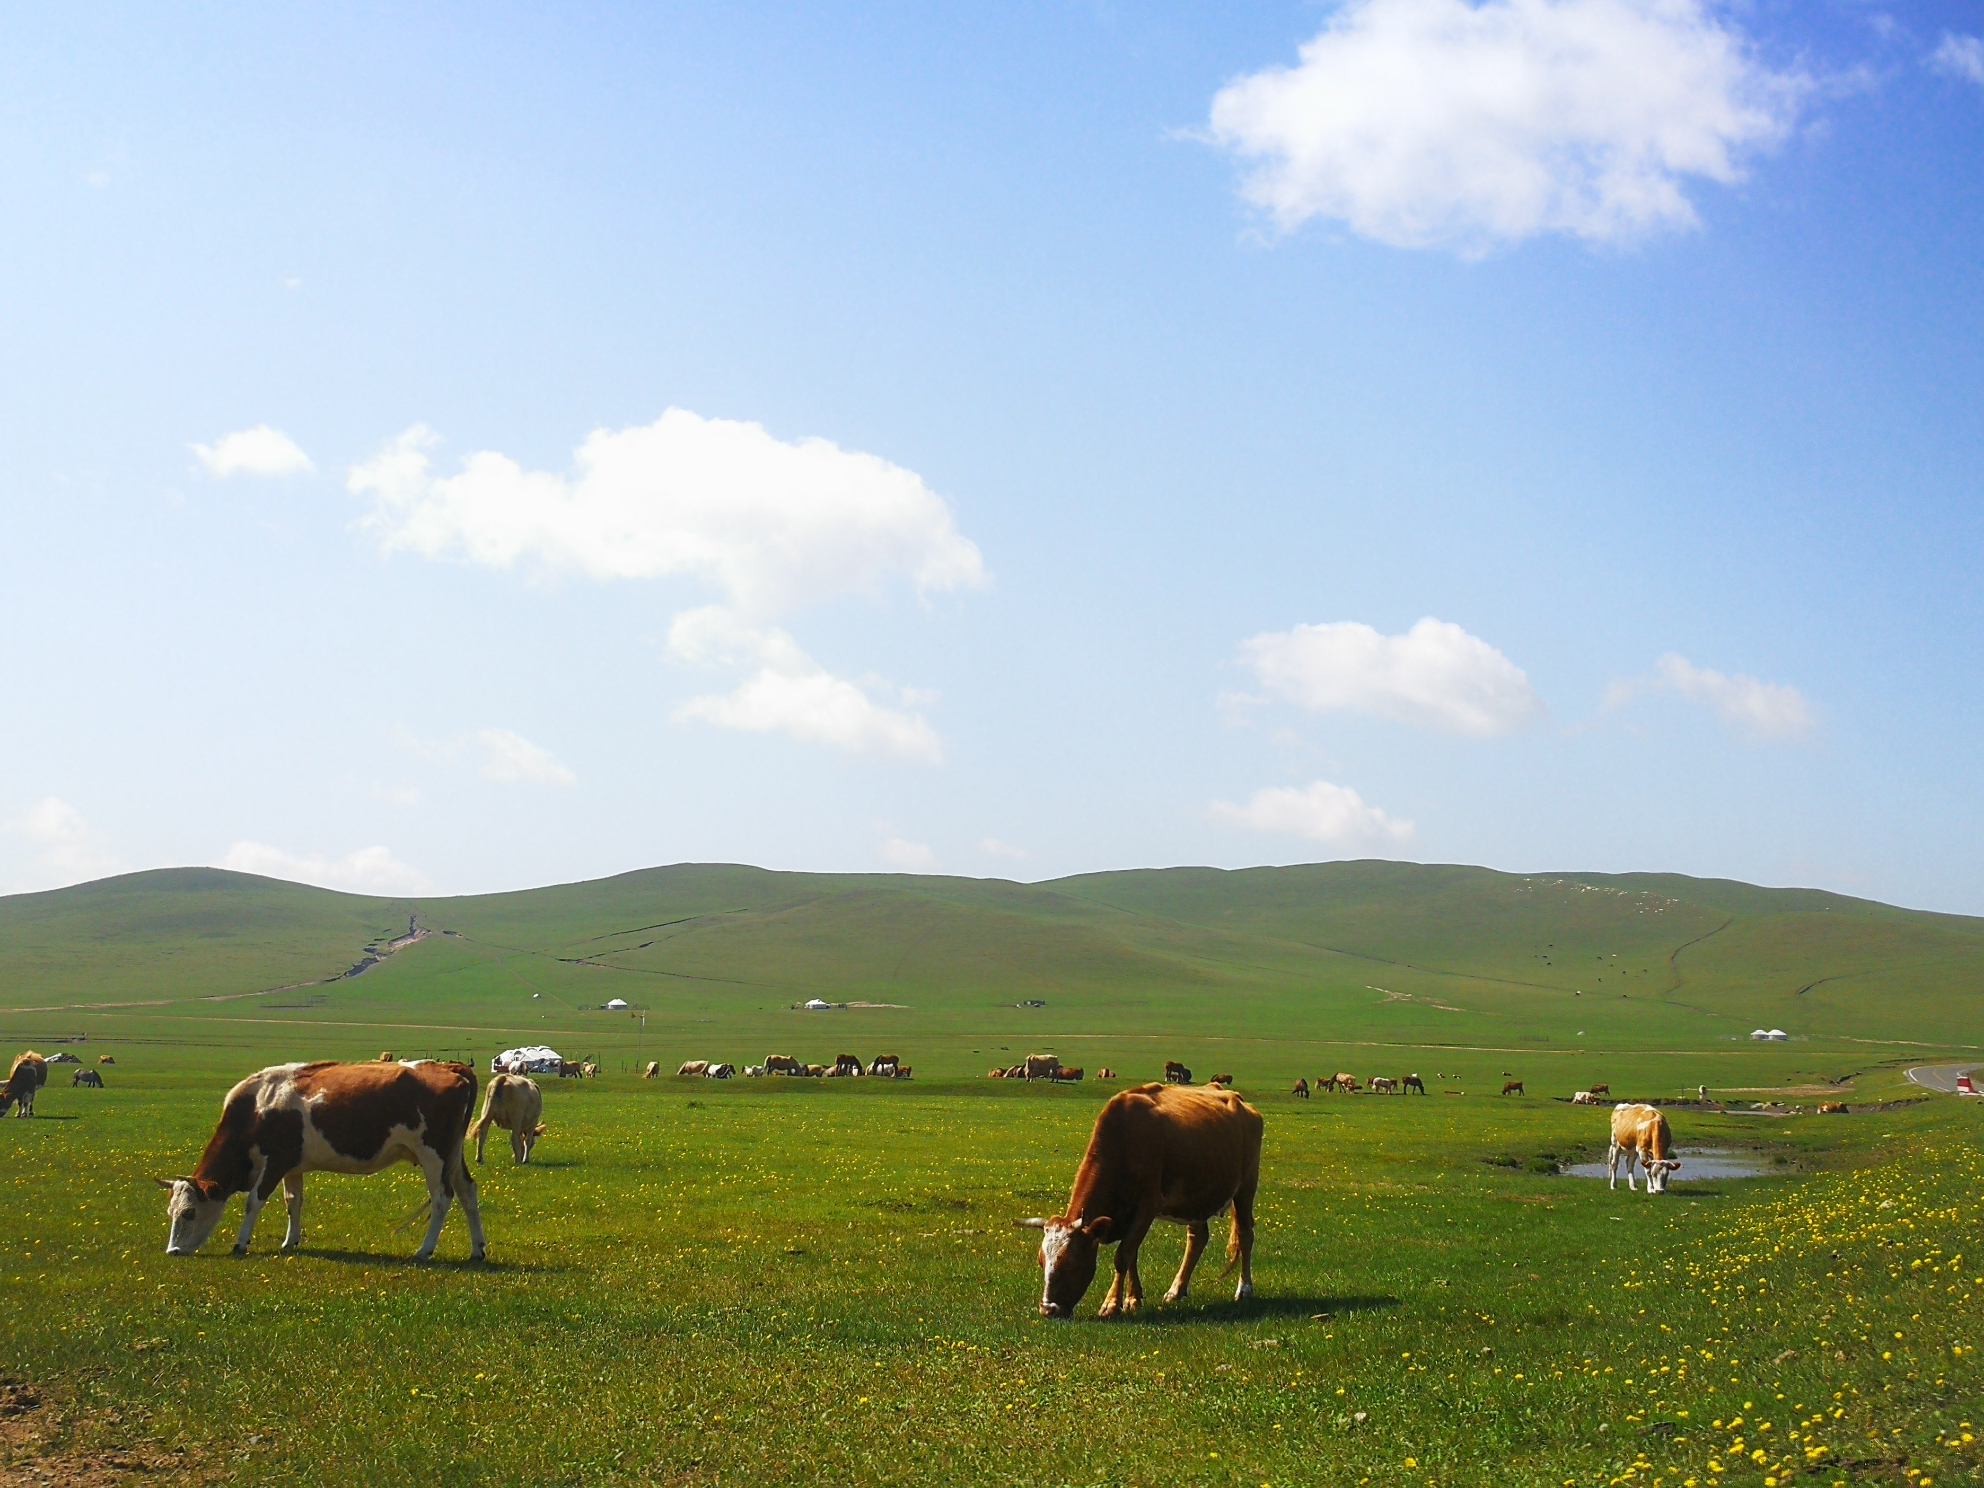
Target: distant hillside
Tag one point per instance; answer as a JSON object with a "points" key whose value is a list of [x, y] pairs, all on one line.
{"points": [[1362, 950]]}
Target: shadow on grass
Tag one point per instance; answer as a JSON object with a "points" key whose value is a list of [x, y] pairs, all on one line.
{"points": [[39, 1117], [401, 1261], [1254, 1309]]}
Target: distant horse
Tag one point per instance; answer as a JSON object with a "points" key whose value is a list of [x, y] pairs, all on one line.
{"points": [[1413, 1082], [1514, 1087], [1301, 1089]]}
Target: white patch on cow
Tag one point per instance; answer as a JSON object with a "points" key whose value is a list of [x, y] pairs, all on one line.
{"points": [[1053, 1244]]}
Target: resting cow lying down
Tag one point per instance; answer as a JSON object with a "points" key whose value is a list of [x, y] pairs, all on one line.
{"points": [[292, 1119], [1169, 1152]]}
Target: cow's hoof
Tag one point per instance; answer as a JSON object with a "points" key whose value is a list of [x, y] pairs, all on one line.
{"points": [[1172, 1296], [1243, 1291], [240, 1252], [478, 1256]]}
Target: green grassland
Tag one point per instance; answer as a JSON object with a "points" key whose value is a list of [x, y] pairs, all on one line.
{"points": [[704, 1282]]}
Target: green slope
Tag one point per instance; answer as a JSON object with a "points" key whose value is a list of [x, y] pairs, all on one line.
{"points": [[717, 956]]}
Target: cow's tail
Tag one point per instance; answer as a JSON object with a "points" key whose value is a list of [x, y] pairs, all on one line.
{"points": [[541, 1130], [1232, 1243]]}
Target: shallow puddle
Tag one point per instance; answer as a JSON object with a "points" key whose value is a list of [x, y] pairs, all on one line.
{"points": [[1698, 1164]]}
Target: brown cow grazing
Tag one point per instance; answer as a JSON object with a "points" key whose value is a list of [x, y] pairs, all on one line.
{"points": [[783, 1064], [1176, 1073], [1832, 1108], [92, 1079], [293, 1119], [1222, 1081], [1601, 1089], [106, 1059], [1301, 1090], [1157, 1152], [1346, 1083], [1067, 1074], [514, 1103], [1413, 1082], [29, 1074], [1514, 1087], [652, 1071], [1640, 1133]]}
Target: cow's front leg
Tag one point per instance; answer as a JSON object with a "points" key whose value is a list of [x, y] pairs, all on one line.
{"points": [[253, 1201], [1612, 1166], [292, 1197], [1196, 1235]]}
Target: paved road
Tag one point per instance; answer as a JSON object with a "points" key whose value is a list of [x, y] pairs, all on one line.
{"points": [[1940, 1076]]}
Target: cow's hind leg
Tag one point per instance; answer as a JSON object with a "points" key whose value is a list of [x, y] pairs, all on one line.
{"points": [[1196, 1235], [1242, 1242], [463, 1183], [292, 1197], [519, 1149], [438, 1200]]}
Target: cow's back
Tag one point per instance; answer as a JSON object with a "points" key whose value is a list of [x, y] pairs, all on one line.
{"points": [[1195, 1146]]}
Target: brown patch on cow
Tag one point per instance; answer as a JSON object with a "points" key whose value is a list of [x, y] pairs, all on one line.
{"points": [[279, 1138], [434, 1098]]}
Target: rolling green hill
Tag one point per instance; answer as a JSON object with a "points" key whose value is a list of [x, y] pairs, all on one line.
{"points": [[1277, 962]]}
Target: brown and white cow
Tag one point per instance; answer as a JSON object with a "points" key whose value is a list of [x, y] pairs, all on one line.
{"points": [[1584, 1098], [1105, 1073], [1383, 1085], [847, 1066], [1345, 1083], [1168, 1152], [1640, 1133], [514, 1103], [293, 1119], [29, 1074], [652, 1071], [693, 1067]]}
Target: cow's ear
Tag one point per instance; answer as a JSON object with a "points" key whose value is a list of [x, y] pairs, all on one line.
{"points": [[1095, 1229], [209, 1188], [1029, 1224]]}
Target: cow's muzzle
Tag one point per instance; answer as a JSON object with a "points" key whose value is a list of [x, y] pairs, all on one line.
{"points": [[1055, 1310]]}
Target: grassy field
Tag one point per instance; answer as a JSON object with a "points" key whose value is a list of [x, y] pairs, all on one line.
{"points": [[703, 1282]]}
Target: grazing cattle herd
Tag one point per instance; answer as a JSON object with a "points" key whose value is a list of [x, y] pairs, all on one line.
{"points": [[1174, 1151]]}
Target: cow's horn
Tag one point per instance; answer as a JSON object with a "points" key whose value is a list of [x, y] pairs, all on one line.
{"points": [[164, 1182], [1029, 1224]]}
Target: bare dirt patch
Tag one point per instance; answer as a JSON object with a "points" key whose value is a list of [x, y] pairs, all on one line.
{"points": [[35, 1450]]}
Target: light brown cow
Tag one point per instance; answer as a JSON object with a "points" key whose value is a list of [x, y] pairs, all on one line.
{"points": [[1041, 1066], [783, 1064], [1222, 1081], [106, 1059], [1640, 1133], [652, 1071], [693, 1067], [514, 1103], [386, 1057], [1345, 1083], [293, 1119], [1158, 1152], [29, 1074], [1832, 1108]]}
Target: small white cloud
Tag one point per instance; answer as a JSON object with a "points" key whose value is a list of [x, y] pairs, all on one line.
{"points": [[1445, 123], [774, 525], [911, 857], [370, 870], [1960, 56], [397, 795], [514, 760], [1321, 812], [1761, 711], [1434, 676], [992, 847], [792, 694], [257, 451], [66, 850]]}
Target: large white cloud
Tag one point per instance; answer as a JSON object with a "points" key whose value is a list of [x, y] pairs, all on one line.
{"points": [[370, 870], [1320, 812], [257, 451], [790, 693], [1761, 711], [774, 525], [1446, 123], [511, 759], [1435, 676], [1961, 56]]}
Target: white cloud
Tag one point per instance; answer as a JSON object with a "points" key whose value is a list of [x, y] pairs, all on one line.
{"points": [[257, 451], [1762, 711], [1961, 56], [397, 795], [792, 694], [1435, 676], [370, 870], [911, 857], [774, 525], [1321, 812], [514, 760], [66, 850], [1443, 123], [994, 848]]}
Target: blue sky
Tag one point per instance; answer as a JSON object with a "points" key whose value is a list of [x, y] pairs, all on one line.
{"points": [[471, 448]]}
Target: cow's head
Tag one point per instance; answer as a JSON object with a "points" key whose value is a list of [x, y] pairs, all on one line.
{"points": [[1656, 1173], [193, 1208], [1067, 1261]]}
